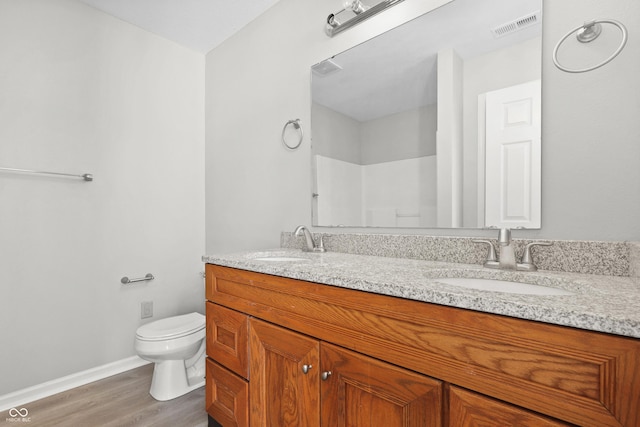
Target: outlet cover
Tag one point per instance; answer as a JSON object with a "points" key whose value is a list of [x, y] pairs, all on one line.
{"points": [[146, 309]]}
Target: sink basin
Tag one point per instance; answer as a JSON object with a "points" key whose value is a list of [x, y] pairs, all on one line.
{"points": [[503, 286], [281, 259]]}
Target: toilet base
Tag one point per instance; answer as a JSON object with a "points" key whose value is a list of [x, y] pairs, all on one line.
{"points": [[170, 380]]}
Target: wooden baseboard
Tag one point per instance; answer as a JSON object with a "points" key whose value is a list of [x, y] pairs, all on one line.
{"points": [[49, 388]]}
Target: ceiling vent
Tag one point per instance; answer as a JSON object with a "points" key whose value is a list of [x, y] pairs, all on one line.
{"points": [[517, 24], [326, 67]]}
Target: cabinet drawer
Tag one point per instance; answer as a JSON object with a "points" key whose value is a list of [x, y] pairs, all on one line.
{"points": [[226, 396], [227, 338]]}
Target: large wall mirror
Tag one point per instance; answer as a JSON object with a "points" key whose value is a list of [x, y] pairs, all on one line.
{"points": [[435, 123]]}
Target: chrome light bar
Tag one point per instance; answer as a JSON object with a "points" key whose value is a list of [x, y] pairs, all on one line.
{"points": [[336, 24]]}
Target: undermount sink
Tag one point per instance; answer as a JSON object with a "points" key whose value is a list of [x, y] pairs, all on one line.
{"points": [[281, 259], [503, 286]]}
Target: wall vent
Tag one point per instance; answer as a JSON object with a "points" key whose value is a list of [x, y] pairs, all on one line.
{"points": [[516, 25]]}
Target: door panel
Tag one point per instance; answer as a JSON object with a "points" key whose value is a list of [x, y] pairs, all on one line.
{"points": [[282, 394], [361, 391], [513, 156]]}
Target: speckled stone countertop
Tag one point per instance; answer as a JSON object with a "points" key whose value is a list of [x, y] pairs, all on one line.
{"points": [[608, 304]]}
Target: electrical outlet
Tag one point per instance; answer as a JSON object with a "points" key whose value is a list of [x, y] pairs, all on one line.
{"points": [[146, 309]]}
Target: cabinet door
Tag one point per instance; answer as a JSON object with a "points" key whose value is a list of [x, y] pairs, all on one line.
{"points": [[468, 409], [361, 391], [284, 385]]}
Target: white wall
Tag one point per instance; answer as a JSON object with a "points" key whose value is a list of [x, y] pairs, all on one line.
{"points": [[590, 130], [82, 92], [404, 135], [260, 78], [338, 136]]}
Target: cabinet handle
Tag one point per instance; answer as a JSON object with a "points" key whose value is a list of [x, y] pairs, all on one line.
{"points": [[305, 368], [325, 375]]}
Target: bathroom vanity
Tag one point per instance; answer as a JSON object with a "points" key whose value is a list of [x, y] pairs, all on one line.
{"points": [[332, 339]]}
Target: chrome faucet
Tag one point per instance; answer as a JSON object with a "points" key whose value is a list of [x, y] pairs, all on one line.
{"points": [[310, 242], [507, 260]]}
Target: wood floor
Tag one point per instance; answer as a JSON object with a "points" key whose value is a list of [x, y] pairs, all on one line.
{"points": [[118, 401]]}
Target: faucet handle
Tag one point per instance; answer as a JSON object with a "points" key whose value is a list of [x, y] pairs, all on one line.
{"points": [[492, 257], [527, 260]]}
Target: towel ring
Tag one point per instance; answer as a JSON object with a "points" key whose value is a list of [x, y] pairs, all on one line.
{"points": [[296, 124], [587, 33]]}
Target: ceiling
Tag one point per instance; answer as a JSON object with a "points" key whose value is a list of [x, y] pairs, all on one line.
{"points": [[200, 25], [397, 71]]}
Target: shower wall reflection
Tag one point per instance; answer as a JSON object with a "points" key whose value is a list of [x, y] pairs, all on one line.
{"points": [[372, 182]]}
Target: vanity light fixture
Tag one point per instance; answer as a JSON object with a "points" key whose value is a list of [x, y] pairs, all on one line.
{"points": [[354, 12]]}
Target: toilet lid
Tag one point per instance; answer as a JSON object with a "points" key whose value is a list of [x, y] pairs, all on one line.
{"points": [[172, 327]]}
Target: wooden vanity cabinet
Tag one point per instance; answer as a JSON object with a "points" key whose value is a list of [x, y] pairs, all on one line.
{"points": [[400, 362]]}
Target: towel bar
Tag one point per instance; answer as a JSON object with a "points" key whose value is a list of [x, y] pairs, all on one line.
{"points": [[86, 176], [125, 280]]}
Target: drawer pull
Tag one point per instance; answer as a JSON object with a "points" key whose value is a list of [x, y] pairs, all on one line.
{"points": [[325, 375], [305, 368]]}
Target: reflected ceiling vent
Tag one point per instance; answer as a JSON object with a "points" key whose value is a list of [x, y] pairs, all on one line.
{"points": [[326, 67], [516, 25]]}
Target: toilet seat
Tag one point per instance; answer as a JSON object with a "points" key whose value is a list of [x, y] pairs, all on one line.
{"points": [[172, 327]]}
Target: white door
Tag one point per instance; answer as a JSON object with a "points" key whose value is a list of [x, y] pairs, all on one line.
{"points": [[513, 156]]}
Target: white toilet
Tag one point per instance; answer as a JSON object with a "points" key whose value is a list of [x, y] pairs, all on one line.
{"points": [[177, 347]]}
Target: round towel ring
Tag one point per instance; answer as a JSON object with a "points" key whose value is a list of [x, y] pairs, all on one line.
{"points": [[588, 32], [297, 126]]}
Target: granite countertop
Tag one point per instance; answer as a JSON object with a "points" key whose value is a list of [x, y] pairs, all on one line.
{"points": [[608, 304]]}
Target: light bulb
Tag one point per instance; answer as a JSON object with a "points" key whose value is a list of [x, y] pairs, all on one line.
{"points": [[355, 5]]}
